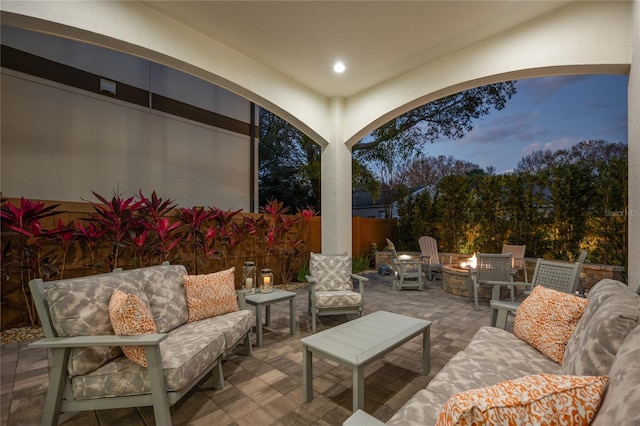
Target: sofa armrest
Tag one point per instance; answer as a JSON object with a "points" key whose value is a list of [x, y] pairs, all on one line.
{"points": [[360, 418], [105, 340], [242, 300]]}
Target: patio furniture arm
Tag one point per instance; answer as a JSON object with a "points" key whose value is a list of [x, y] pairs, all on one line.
{"points": [[361, 281], [497, 286], [242, 300], [360, 418], [105, 340]]}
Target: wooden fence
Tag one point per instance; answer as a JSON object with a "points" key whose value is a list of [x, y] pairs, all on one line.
{"points": [[14, 297]]}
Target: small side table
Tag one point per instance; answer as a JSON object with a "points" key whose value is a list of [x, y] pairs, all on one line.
{"points": [[267, 299]]}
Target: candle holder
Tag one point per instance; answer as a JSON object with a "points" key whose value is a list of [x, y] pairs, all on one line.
{"points": [[266, 281], [249, 278]]}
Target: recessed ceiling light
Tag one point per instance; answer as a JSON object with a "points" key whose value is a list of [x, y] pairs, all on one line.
{"points": [[339, 67]]}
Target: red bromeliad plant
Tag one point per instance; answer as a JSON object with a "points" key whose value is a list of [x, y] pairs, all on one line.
{"points": [[285, 252], [65, 236], [194, 219], [117, 217], [24, 223], [227, 234], [153, 212], [167, 236], [90, 236]]}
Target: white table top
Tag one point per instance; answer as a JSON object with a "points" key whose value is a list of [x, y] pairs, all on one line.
{"points": [[361, 340], [266, 298]]}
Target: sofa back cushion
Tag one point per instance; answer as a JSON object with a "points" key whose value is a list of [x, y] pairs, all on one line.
{"points": [[613, 311], [621, 402], [210, 295], [165, 292], [80, 307], [547, 318]]}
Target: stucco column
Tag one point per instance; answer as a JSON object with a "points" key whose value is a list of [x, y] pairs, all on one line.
{"points": [[336, 185], [634, 152]]}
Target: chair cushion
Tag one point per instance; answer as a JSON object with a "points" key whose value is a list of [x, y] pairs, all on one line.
{"points": [[338, 299], [80, 307], [210, 295], [332, 272], [233, 325], [613, 312], [130, 317], [165, 292], [186, 352], [538, 399], [547, 318]]}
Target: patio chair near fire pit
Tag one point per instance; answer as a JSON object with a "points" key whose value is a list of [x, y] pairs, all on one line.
{"points": [[331, 289], [429, 255], [409, 272], [556, 275], [489, 267]]}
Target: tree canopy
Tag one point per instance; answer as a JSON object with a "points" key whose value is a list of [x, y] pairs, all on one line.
{"points": [[290, 161]]}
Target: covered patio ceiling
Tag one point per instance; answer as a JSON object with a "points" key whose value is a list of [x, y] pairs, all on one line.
{"points": [[376, 40]]}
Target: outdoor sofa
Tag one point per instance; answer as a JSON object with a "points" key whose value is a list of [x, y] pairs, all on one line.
{"points": [[192, 330], [605, 342]]}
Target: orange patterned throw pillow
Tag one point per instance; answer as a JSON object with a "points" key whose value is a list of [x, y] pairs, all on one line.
{"points": [[544, 399], [210, 295], [547, 318], [130, 317]]}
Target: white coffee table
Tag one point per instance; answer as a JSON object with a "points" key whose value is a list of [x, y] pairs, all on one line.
{"points": [[267, 299], [357, 343]]}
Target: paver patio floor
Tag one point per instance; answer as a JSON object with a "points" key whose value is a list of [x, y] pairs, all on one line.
{"points": [[266, 388]]}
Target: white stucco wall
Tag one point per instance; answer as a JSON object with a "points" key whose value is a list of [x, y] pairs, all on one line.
{"points": [[634, 153]]}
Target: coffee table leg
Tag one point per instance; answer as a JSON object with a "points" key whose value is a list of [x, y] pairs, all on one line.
{"points": [[307, 373], [426, 350], [358, 388], [259, 326], [292, 316]]}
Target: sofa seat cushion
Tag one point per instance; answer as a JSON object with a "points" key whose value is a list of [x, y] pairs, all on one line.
{"points": [[337, 299], [165, 292], [621, 402], [186, 353], [233, 325], [422, 409], [470, 370], [80, 307], [504, 348], [613, 312]]}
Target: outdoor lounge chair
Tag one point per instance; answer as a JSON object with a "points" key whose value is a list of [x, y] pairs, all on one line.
{"points": [[490, 267], [429, 255], [331, 290], [559, 276], [518, 262], [409, 273]]}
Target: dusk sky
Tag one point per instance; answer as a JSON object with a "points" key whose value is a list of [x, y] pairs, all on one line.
{"points": [[545, 113]]}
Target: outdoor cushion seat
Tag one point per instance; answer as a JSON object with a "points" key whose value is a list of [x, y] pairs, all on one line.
{"points": [[232, 326], [331, 286], [184, 353], [334, 299]]}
